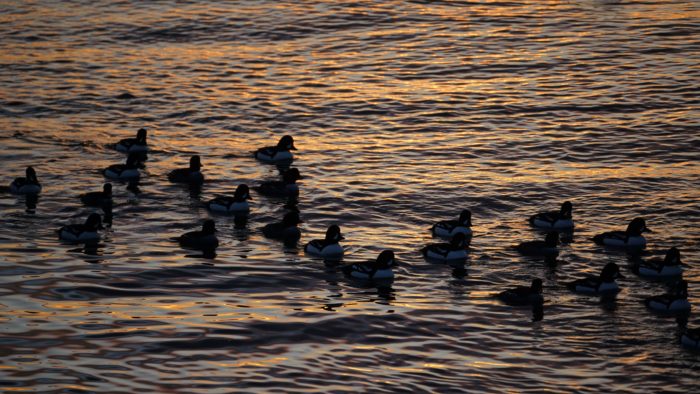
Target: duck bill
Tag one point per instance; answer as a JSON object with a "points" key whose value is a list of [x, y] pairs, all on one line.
{"points": [[647, 230]]}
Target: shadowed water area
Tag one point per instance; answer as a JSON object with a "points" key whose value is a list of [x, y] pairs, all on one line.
{"points": [[404, 113]]}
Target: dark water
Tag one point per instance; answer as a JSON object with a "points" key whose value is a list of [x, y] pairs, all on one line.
{"points": [[404, 113]]}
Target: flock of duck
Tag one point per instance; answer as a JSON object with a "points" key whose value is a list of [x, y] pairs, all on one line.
{"points": [[458, 232]]}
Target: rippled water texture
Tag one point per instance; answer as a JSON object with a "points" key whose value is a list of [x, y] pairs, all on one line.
{"points": [[404, 113]]}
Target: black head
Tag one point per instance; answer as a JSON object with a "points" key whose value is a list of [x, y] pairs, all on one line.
{"points": [[536, 286], [133, 160], [93, 221], [551, 239], [465, 217], [637, 227], [107, 189], [291, 219], [673, 257], [195, 163], [385, 259], [242, 192], [291, 175], [30, 174], [286, 143], [333, 233], [458, 241], [208, 227], [141, 135], [610, 272], [566, 209]]}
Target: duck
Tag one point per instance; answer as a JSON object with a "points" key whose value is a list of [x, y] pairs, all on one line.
{"points": [[381, 268], [236, 204], [602, 284], [82, 232], [279, 153], [670, 266], [203, 239], [554, 220], [632, 237], [675, 300], [98, 199], [286, 230], [455, 250], [548, 247], [29, 184], [690, 338], [327, 247], [523, 295], [138, 144], [129, 170], [449, 228], [191, 174], [285, 188]]}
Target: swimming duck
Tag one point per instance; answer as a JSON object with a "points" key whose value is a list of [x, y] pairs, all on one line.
{"points": [[691, 338], [554, 220], [548, 247], [328, 247], [523, 295], [191, 175], [98, 199], [455, 250], [236, 204], [284, 188], [138, 144], [279, 153], [82, 232], [603, 284], [286, 230], [29, 184], [204, 239], [632, 237], [668, 267], [675, 300], [448, 228], [129, 170], [378, 269]]}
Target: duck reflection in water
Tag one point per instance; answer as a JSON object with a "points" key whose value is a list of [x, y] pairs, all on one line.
{"points": [[31, 201]]}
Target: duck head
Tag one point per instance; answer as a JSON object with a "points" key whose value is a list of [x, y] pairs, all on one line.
{"points": [[385, 259], [208, 227], [465, 218], [291, 219], [291, 176], [30, 174], [132, 161], [286, 143], [141, 136], [242, 193], [333, 233], [610, 272], [566, 208], [637, 227], [459, 241], [673, 257], [93, 222], [551, 239], [195, 163]]}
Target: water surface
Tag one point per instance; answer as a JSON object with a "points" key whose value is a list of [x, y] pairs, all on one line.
{"points": [[404, 113]]}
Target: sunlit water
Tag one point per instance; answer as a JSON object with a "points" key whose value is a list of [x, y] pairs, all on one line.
{"points": [[404, 113]]}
